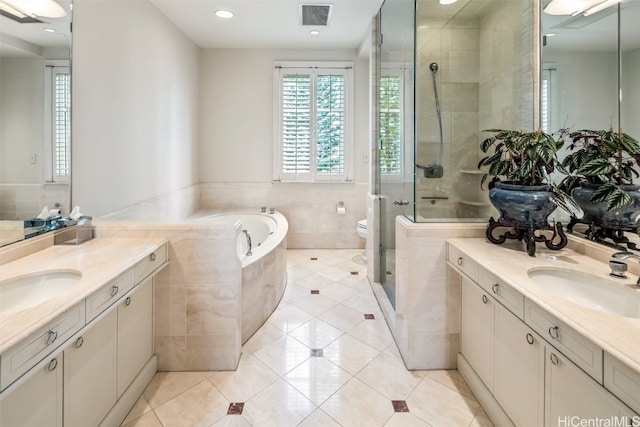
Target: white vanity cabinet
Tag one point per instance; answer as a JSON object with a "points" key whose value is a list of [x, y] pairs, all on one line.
{"points": [[519, 361], [572, 393], [477, 330], [504, 353], [135, 333], [535, 369], [90, 373], [89, 365], [38, 400]]}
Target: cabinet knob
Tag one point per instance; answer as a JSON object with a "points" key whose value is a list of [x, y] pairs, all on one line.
{"points": [[114, 291], [127, 301], [51, 337], [485, 299], [460, 260], [554, 358], [553, 332], [53, 364], [495, 288], [530, 338], [152, 257], [79, 342]]}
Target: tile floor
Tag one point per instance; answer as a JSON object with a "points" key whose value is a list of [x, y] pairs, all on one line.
{"points": [[323, 358]]}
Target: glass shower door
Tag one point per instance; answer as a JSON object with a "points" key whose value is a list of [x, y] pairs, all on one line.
{"points": [[396, 129]]}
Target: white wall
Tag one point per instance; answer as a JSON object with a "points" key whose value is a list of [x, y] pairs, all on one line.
{"points": [[587, 88], [135, 103], [22, 116], [236, 112], [631, 93]]}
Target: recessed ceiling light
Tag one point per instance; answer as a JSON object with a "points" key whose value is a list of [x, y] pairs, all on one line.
{"points": [[314, 33], [50, 30], [448, 1], [224, 14]]}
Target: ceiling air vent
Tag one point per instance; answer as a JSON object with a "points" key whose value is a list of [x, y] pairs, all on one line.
{"points": [[315, 14]]}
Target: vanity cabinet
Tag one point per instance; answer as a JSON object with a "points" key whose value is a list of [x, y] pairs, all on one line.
{"points": [[504, 353], [135, 333], [570, 392], [537, 369], [90, 373], [38, 400], [519, 361], [476, 341], [88, 366]]}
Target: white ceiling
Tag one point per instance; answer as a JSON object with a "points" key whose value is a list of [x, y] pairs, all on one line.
{"points": [[269, 23]]}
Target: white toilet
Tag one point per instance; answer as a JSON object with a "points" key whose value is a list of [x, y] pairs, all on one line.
{"points": [[361, 229]]}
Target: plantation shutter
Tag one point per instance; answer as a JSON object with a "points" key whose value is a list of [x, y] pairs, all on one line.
{"points": [[62, 124], [330, 118], [390, 125], [296, 124], [312, 136]]}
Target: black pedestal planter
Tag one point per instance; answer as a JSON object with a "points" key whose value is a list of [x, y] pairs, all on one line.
{"points": [[524, 209]]}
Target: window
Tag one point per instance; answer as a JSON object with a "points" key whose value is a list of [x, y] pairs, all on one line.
{"points": [[58, 122], [549, 98], [391, 125], [313, 135]]}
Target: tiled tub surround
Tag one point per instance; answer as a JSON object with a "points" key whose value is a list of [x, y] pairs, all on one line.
{"points": [[109, 269], [617, 354], [203, 312], [426, 320]]}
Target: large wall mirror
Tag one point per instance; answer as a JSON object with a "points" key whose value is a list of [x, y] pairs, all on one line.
{"points": [[590, 73], [35, 127], [591, 68]]}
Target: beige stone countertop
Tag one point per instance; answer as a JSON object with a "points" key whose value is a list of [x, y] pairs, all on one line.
{"points": [[617, 335], [99, 261]]}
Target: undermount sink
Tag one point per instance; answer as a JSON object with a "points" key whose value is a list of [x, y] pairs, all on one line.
{"points": [[22, 292], [589, 290]]}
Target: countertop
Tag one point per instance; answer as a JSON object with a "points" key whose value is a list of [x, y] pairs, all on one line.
{"points": [[99, 260], [617, 335]]}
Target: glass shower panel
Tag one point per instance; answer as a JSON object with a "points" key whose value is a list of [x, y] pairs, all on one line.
{"points": [[474, 71], [396, 128]]}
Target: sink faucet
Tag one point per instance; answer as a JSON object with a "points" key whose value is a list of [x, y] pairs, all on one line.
{"points": [[627, 255]]}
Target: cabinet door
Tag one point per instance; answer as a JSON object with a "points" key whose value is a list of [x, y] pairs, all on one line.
{"points": [[90, 374], [477, 329], [572, 395], [519, 369], [135, 333], [38, 400]]}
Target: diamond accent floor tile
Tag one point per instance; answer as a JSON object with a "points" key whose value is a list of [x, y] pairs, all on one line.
{"points": [[236, 408], [399, 406]]}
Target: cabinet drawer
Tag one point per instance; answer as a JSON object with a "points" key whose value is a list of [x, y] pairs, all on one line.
{"points": [[622, 382], [108, 294], [462, 262], [150, 263], [580, 350], [35, 347], [505, 294]]}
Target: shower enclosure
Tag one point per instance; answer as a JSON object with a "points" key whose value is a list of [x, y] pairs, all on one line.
{"points": [[447, 72]]}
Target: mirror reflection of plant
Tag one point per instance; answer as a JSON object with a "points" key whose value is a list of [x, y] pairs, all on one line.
{"points": [[603, 157], [525, 158]]}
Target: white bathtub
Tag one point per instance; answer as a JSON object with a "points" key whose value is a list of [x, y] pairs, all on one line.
{"points": [[264, 272]]}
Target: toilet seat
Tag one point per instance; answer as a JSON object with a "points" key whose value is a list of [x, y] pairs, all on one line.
{"points": [[361, 228]]}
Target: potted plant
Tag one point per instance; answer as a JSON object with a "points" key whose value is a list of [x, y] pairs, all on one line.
{"points": [[520, 164], [601, 167]]}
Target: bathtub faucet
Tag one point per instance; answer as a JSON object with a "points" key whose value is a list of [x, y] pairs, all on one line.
{"points": [[246, 233]]}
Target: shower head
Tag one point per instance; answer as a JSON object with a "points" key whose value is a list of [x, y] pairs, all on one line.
{"points": [[433, 67]]}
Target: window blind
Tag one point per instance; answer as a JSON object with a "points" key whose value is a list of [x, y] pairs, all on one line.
{"points": [[62, 124], [390, 125]]}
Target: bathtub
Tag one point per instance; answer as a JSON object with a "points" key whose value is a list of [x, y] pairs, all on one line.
{"points": [[264, 271]]}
